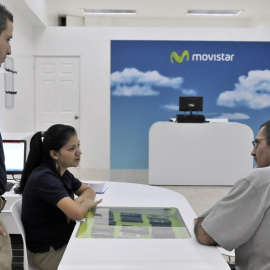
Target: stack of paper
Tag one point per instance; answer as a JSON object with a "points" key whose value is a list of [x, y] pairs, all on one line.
{"points": [[99, 187]]}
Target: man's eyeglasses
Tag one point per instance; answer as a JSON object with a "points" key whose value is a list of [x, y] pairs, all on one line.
{"points": [[256, 141]]}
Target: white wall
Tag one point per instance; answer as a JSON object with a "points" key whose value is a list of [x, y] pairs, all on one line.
{"points": [[93, 46], [21, 117]]}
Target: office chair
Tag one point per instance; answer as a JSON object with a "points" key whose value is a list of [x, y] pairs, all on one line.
{"points": [[28, 263]]}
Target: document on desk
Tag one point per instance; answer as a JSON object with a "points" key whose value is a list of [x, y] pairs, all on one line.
{"points": [[99, 188]]}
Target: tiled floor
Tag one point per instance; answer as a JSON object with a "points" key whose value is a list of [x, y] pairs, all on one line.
{"points": [[201, 198]]}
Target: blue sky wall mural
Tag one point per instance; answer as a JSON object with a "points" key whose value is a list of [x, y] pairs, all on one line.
{"points": [[147, 78]]}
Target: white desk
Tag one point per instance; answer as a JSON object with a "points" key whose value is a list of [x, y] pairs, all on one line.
{"points": [[199, 154], [140, 254]]}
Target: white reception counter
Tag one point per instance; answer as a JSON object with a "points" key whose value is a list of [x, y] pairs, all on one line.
{"points": [[199, 153]]}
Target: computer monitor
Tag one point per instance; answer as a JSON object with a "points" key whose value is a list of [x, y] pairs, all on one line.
{"points": [[191, 104], [15, 155]]}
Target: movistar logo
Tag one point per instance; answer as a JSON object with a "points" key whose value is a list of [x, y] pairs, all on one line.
{"points": [[201, 57], [179, 59]]}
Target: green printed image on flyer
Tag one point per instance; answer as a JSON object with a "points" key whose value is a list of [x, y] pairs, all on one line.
{"points": [[134, 223]]}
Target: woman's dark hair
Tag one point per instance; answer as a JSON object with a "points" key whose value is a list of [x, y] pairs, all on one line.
{"points": [[5, 15], [40, 146], [266, 131]]}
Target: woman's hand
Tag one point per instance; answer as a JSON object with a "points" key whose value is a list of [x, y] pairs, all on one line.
{"points": [[93, 204], [77, 209], [2, 232], [79, 200]]}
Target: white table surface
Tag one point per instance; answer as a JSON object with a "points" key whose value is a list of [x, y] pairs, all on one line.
{"points": [[140, 254]]}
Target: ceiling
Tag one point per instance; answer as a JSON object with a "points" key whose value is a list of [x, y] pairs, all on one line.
{"points": [[163, 13]]}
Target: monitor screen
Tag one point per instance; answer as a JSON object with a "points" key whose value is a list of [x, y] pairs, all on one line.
{"points": [[15, 155], [190, 104]]}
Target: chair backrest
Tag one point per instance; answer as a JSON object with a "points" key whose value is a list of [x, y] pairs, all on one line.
{"points": [[27, 259]]}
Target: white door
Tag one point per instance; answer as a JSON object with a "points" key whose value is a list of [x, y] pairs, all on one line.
{"points": [[57, 92]]}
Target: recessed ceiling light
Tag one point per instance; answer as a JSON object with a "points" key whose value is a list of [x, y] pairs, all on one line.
{"points": [[108, 11], [214, 12]]}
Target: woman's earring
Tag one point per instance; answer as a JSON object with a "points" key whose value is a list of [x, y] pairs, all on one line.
{"points": [[57, 167]]}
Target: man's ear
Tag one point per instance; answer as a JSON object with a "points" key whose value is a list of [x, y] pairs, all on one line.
{"points": [[54, 154]]}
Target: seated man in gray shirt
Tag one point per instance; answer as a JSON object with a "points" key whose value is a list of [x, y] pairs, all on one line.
{"points": [[241, 220]]}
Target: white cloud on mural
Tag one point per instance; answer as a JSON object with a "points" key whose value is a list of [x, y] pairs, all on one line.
{"points": [[252, 91], [132, 82], [170, 107], [234, 116], [135, 90], [189, 92]]}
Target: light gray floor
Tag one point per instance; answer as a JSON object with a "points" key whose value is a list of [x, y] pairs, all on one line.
{"points": [[201, 198]]}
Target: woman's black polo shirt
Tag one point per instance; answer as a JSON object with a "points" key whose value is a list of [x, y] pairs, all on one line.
{"points": [[44, 223]]}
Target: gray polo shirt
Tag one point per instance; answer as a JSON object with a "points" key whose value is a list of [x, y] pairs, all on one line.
{"points": [[241, 221]]}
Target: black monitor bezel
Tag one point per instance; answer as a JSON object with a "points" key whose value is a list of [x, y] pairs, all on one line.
{"points": [[183, 103], [12, 172]]}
